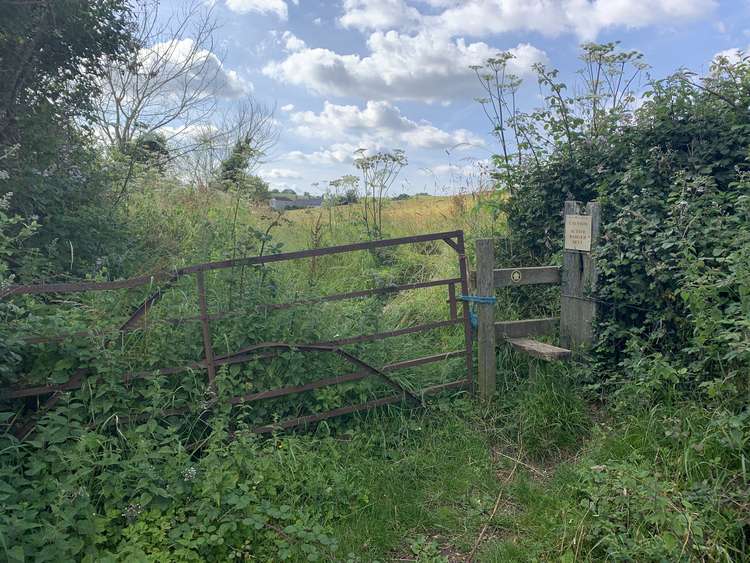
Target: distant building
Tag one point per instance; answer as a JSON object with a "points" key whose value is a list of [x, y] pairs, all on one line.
{"points": [[279, 204]]}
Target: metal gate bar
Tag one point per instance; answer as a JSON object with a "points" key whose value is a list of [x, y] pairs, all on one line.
{"points": [[210, 362]]}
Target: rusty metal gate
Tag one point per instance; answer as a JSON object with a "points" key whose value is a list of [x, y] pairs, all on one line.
{"points": [[49, 395]]}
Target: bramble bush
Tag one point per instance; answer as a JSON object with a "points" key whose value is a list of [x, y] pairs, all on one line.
{"points": [[671, 176], [674, 286]]}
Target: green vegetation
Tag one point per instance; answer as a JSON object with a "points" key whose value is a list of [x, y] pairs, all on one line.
{"points": [[639, 454]]}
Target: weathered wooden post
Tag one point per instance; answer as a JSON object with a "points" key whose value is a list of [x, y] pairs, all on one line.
{"points": [[579, 275], [485, 252]]}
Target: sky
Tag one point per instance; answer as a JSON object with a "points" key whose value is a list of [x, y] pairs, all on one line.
{"points": [[388, 74]]}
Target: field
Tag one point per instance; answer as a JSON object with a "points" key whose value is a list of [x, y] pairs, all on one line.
{"points": [[166, 439], [536, 474]]}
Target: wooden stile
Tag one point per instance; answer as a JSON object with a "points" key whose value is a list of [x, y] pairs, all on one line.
{"points": [[577, 278]]}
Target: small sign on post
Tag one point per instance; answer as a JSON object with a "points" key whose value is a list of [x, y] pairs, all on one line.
{"points": [[579, 275], [578, 232]]}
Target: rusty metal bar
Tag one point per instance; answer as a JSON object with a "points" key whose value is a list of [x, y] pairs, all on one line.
{"points": [[369, 245], [452, 300], [453, 244], [291, 390], [80, 287], [327, 347], [59, 338], [220, 265], [131, 325], [150, 301], [238, 357], [351, 377], [390, 334], [22, 432], [328, 298], [302, 420], [345, 341], [423, 360], [348, 378], [433, 390], [206, 330], [290, 423], [468, 337]]}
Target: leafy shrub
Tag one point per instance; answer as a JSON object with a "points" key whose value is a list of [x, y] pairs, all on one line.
{"points": [[671, 178], [143, 496], [634, 514]]}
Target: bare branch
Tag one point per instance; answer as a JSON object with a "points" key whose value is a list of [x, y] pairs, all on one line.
{"points": [[170, 79]]}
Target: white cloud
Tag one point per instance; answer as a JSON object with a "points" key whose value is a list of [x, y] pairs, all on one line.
{"points": [[472, 167], [337, 153], [425, 56], [318, 21], [379, 14], [377, 123], [277, 7], [733, 55], [584, 18], [204, 71], [277, 173], [292, 42], [287, 107], [427, 67]]}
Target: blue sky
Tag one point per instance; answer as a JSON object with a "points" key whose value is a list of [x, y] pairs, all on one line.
{"points": [[384, 74]]}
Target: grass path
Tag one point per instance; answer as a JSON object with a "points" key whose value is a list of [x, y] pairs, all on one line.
{"points": [[447, 484]]}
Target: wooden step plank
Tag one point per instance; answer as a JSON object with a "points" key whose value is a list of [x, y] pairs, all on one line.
{"points": [[526, 327], [537, 349]]}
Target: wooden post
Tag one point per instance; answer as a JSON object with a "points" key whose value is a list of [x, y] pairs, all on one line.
{"points": [[463, 267], [206, 329], [486, 312], [579, 275]]}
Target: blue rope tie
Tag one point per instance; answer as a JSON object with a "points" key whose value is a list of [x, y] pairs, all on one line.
{"points": [[473, 319], [482, 299]]}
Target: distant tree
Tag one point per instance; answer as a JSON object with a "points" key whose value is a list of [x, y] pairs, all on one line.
{"points": [[344, 189], [168, 77], [243, 134], [401, 197], [379, 171], [150, 150], [256, 188], [52, 57], [233, 168], [350, 196], [52, 54]]}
